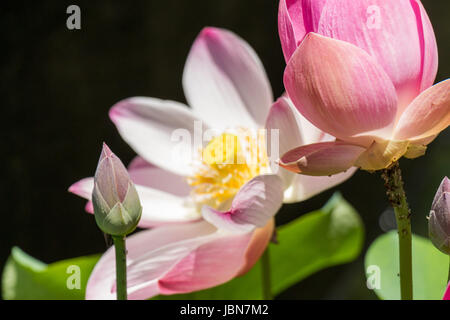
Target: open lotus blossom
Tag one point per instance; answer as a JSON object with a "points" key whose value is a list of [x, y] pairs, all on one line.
{"points": [[214, 215], [372, 92], [347, 93]]}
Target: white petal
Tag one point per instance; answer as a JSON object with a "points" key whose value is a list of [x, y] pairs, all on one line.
{"points": [[225, 81], [165, 133], [304, 187]]}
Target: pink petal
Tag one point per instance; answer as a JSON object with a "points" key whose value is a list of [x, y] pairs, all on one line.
{"points": [[159, 207], [339, 87], [258, 244], [398, 34], [428, 114], [253, 206], [295, 19], [428, 46], [447, 293], [160, 131], [321, 159], [225, 81], [172, 259], [83, 188], [304, 187]]}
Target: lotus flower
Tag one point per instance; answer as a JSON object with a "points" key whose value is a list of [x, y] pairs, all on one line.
{"points": [[213, 217], [397, 34], [345, 92]]}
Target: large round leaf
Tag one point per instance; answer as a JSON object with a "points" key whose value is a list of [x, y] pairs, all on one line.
{"points": [[430, 268]]}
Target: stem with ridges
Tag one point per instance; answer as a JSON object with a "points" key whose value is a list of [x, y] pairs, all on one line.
{"points": [[121, 267], [266, 281], [396, 194]]}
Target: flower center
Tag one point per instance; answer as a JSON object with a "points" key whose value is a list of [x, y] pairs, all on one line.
{"points": [[227, 163]]}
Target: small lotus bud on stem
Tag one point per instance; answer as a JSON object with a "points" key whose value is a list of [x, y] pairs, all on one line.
{"points": [[117, 209], [439, 221], [116, 203]]}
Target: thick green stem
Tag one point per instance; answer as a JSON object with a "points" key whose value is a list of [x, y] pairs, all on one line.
{"points": [[396, 194], [266, 281], [121, 267]]}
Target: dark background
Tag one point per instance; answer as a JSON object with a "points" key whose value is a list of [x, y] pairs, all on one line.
{"points": [[57, 86]]}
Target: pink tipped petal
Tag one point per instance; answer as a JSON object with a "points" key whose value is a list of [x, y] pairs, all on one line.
{"points": [[148, 175], [397, 34], [295, 19], [225, 81], [255, 203], [304, 187], [89, 207], [172, 259], [213, 263], [257, 246], [447, 293], [286, 30], [83, 188], [428, 114], [339, 87], [160, 131], [159, 207], [321, 159]]}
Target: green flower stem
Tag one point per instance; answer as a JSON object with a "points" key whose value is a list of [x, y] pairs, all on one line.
{"points": [[396, 194], [448, 279], [121, 267], [266, 281]]}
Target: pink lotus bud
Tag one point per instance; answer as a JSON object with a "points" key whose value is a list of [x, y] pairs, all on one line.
{"points": [[116, 203], [439, 221], [398, 34]]}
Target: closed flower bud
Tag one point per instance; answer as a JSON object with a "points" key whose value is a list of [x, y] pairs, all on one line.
{"points": [[116, 203], [439, 221]]}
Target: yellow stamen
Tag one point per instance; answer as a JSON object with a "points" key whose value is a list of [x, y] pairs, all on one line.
{"points": [[228, 162]]}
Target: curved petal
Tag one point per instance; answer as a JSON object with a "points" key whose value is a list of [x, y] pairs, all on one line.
{"points": [[159, 207], [294, 129], [398, 34], [83, 188], [428, 114], [304, 187], [295, 19], [163, 132], [172, 259], [257, 245], [321, 159], [148, 175], [162, 208], [225, 81], [339, 87], [428, 46], [255, 203]]}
